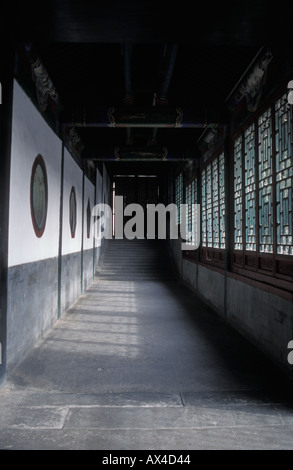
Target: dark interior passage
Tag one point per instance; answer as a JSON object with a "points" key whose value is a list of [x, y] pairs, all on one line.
{"points": [[140, 362]]}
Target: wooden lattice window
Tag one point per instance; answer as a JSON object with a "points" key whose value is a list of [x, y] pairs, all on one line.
{"points": [[190, 201], [213, 232], [284, 174], [203, 209], [263, 172], [238, 244], [250, 188], [222, 227], [179, 195], [265, 182]]}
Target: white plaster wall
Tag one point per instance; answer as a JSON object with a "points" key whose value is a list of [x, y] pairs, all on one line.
{"points": [[89, 194], [72, 177], [32, 136]]}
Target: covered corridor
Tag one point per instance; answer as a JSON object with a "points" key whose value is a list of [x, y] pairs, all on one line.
{"points": [[140, 362]]}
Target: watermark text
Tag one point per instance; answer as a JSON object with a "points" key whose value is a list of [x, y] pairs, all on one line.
{"points": [[157, 221], [290, 355]]}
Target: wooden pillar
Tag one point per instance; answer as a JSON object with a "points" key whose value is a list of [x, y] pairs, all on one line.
{"points": [[228, 206], [7, 56], [82, 233], [60, 233]]}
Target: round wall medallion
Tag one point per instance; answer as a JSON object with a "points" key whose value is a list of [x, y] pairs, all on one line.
{"points": [[39, 195], [88, 219], [72, 211]]}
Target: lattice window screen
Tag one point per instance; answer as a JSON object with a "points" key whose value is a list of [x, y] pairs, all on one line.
{"points": [[215, 190], [284, 172], [265, 177], [203, 209], [222, 200], [249, 184], [238, 243], [179, 195], [190, 200]]}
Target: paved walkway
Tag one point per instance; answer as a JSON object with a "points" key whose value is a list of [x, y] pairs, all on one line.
{"points": [[139, 362]]}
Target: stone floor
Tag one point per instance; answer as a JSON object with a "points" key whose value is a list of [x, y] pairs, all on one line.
{"points": [[139, 362]]}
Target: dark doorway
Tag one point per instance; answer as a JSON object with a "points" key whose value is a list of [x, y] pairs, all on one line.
{"points": [[137, 189]]}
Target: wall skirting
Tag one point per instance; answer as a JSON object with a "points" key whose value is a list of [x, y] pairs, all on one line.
{"points": [[260, 315], [32, 306]]}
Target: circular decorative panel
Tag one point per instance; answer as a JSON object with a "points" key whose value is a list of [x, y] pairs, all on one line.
{"points": [[39, 195], [72, 211], [88, 219]]}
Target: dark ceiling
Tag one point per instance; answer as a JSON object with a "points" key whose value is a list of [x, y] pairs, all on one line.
{"points": [[193, 55], [250, 22], [89, 77]]}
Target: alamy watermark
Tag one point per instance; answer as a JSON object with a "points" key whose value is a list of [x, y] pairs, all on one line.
{"points": [[159, 221], [290, 355]]}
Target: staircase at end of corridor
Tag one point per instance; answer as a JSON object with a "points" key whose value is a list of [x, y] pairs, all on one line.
{"points": [[136, 260]]}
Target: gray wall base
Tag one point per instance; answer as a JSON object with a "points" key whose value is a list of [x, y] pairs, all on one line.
{"points": [[33, 298], [32, 306], [264, 318]]}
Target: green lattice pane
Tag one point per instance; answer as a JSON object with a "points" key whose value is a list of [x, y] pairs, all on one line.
{"points": [[203, 209], [215, 186], [222, 200], [249, 185], [179, 195], [284, 172], [265, 177], [238, 242], [190, 200], [209, 205]]}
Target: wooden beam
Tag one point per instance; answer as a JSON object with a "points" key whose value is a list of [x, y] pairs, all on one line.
{"points": [[135, 116]]}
